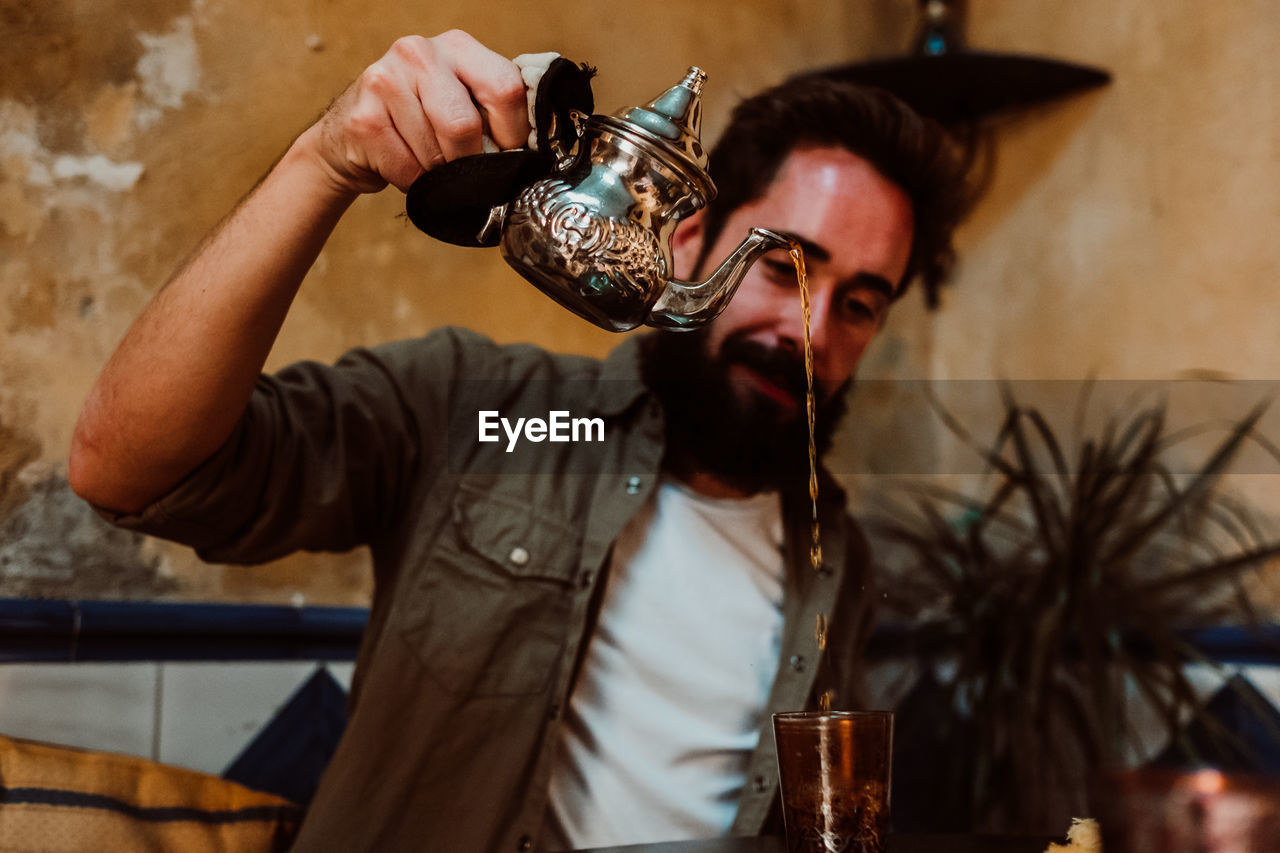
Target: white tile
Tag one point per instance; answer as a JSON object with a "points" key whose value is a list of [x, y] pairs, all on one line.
{"points": [[212, 711], [1207, 679], [1147, 735], [1266, 678], [108, 706], [342, 673]]}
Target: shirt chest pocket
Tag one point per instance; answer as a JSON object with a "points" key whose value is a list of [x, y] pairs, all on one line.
{"points": [[489, 614]]}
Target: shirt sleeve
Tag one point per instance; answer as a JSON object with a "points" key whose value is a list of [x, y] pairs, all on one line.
{"points": [[323, 458]]}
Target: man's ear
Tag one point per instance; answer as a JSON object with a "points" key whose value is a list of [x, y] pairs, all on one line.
{"points": [[686, 244]]}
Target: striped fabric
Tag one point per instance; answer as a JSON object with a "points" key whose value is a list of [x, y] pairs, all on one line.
{"points": [[56, 799]]}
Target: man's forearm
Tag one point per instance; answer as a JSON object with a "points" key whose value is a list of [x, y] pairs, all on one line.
{"points": [[180, 380]]}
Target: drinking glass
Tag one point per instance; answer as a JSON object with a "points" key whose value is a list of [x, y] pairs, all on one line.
{"points": [[834, 772]]}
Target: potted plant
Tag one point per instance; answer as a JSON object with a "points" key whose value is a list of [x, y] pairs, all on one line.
{"points": [[1041, 610]]}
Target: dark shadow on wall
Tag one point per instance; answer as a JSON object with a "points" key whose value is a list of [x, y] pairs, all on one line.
{"points": [[53, 545]]}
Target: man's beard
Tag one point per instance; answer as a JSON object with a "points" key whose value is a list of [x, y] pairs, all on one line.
{"points": [[745, 439]]}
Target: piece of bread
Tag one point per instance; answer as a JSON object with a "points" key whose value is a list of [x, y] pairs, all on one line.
{"points": [[1082, 837]]}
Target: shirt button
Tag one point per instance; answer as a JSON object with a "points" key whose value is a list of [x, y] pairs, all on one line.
{"points": [[633, 485], [797, 663], [525, 843], [518, 556], [586, 578], [760, 784]]}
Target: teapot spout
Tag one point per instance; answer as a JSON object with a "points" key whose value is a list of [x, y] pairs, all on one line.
{"points": [[686, 305]]}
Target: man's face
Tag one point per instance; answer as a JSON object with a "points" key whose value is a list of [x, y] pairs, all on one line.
{"points": [[855, 227], [735, 388]]}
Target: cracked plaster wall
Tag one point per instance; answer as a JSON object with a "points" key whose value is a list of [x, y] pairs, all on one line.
{"points": [[1130, 232]]}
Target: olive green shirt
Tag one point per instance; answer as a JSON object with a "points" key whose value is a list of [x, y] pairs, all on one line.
{"points": [[488, 565]]}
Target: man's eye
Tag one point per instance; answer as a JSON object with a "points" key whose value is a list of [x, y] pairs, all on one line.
{"points": [[855, 310], [781, 272]]}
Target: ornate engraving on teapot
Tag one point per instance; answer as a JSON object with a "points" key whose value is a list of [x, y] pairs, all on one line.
{"points": [[582, 243]]}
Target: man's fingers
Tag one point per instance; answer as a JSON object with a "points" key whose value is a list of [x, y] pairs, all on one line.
{"points": [[365, 142], [399, 164], [494, 85], [409, 121], [425, 102], [455, 121]]}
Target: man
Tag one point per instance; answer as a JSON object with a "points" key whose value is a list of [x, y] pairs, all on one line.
{"points": [[582, 645]]}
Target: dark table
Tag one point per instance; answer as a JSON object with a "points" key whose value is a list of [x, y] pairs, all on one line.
{"points": [[907, 843]]}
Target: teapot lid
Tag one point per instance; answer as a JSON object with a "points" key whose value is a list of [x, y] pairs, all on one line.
{"points": [[674, 120]]}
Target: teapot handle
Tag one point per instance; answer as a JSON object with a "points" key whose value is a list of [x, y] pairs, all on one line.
{"points": [[564, 152], [562, 100], [492, 228]]}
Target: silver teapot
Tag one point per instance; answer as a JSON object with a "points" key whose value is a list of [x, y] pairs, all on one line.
{"points": [[596, 235]]}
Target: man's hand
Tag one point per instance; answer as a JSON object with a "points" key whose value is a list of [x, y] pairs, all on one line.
{"points": [[427, 101]]}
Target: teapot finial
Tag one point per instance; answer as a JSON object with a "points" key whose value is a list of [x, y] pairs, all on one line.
{"points": [[675, 118]]}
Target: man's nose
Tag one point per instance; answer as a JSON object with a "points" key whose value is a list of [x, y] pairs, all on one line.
{"points": [[791, 328]]}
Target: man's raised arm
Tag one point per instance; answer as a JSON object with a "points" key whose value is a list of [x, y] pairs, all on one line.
{"points": [[179, 381]]}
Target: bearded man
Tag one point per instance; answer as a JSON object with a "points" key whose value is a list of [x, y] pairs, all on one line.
{"points": [[578, 645]]}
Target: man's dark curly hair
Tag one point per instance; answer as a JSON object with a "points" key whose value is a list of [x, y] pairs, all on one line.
{"points": [[813, 110]]}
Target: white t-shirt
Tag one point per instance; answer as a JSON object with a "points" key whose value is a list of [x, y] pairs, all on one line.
{"points": [[668, 706]]}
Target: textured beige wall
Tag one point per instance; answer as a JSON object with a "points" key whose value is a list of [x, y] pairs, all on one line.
{"points": [[1131, 231]]}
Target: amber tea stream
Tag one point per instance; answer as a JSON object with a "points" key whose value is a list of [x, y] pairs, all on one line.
{"points": [[802, 278], [857, 821], [815, 545]]}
